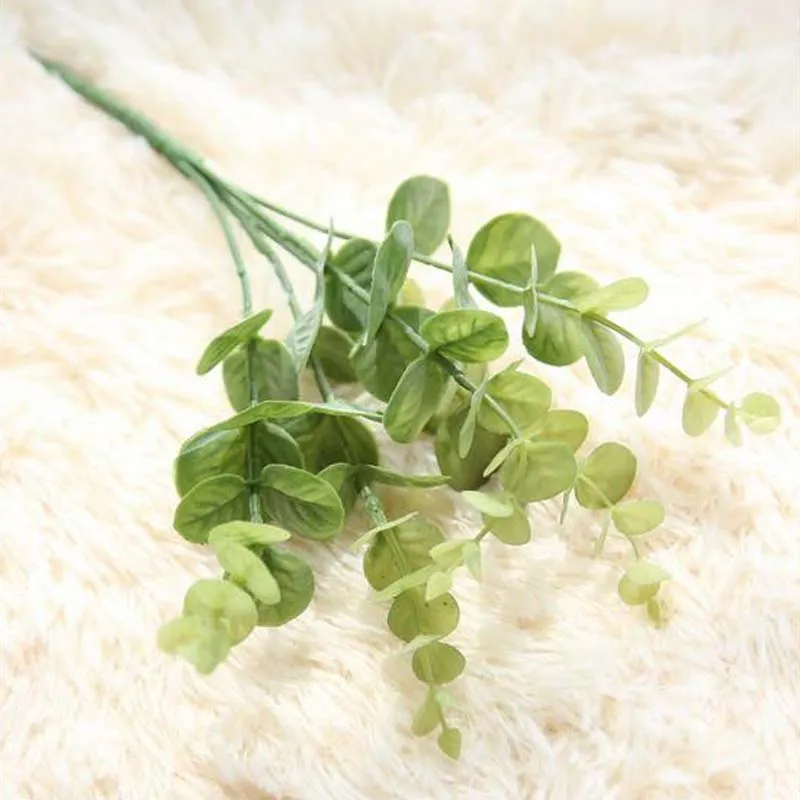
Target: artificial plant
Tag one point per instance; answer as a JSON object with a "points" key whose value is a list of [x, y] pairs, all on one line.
{"points": [[282, 466]]}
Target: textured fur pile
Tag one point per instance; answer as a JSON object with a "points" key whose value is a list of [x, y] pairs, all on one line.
{"points": [[659, 139]]}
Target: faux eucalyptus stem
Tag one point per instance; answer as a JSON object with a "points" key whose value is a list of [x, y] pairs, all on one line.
{"points": [[282, 468]]}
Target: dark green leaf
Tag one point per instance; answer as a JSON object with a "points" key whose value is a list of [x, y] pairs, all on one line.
{"points": [[424, 202], [524, 398], [247, 570], [223, 603], [502, 248], [466, 334], [438, 663], [381, 364], [296, 583], [514, 530], [647, 375], [247, 534], [211, 502], [558, 339], [414, 400], [561, 425], [332, 349], [347, 311], [761, 413], [207, 455], [466, 472], [699, 412], [302, 502], [415, 539], [337, 439], [388, 275], [606, 476], [410, 616], [272, 445], [537, 471], [603, 355], [449, 742], [220, 346]]}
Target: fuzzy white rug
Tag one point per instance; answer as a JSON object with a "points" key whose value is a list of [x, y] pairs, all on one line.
{"points": [[659, 139]]}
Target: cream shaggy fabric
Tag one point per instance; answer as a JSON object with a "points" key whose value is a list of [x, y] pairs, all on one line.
{"points": [[657, 138]]}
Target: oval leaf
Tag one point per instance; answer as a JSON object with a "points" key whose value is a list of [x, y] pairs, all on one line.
{"points": [[637, 516], [206, 455], [760, 413], [220, 346], [273, 374], [426, 719], [536, 471], [346, 310], [248, 571], [634, 595], [247, 534], [414, 400], [332, 350], [302, 502], [495, 504], [648, 371], [502, 249], [211, 502], [296, 583], [388, 274], [514, 530], [644, 573], [226, 604], [424, 202], [391, 478], [466, 334], [449, 742], [699, 413], [561, 425], [461, 294], [438, 584], [437, 663], [603, 355], [524, 398], [201, 642], [621, 295], [606, 476]]}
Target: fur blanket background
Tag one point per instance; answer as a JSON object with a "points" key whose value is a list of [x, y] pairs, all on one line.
{"points": [[659, 139]]}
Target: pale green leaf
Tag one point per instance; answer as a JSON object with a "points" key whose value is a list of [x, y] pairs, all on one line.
{"points": [[410, 617], [198, 640], [604, 356], [461, 294], [760, 413], [220, 346], [524, 398], [247, 570], [247, 534], [472, 559], [561, 425], [536, 471], [438, 584], [699, 412], [621, 295], [438, 663], [426, 719], [423, 202], [367, 537], [733, 431], [493, 504], [514, 530], [648, 371], [449, 742], [224, 603], [606, 477], [636, 517], [470, 335], [467, 434], [449, 555]]}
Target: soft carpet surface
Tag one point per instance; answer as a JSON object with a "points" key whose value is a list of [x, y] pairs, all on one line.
{"points": [[658, 139]]}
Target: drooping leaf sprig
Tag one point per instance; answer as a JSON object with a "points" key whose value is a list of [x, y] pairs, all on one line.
{"points": [[282, 467]]}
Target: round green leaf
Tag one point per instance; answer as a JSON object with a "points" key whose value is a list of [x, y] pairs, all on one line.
{"points": [[345, 309], [760, 412], [411, 616], [561, 425], [388, 274], [648, 372], [537, 471], [633, 595], [502, 249], [207, 455], [449, 742], [467, 472], [211, 502], [558, 339], [380, 364], [220, 346], [426, 718], [302, 502], [610, 468], [225, 604], [296, 583], [644, 573], [246, 569], [424, 202], [272, 445], [414, 539], [437, 663], [466, 334], [415, 399], [496, 504], [524, 397], [514, 530], [247, 534], [637, 516], [274, 374], [699, 413], [332, 349], [199, 640]]}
